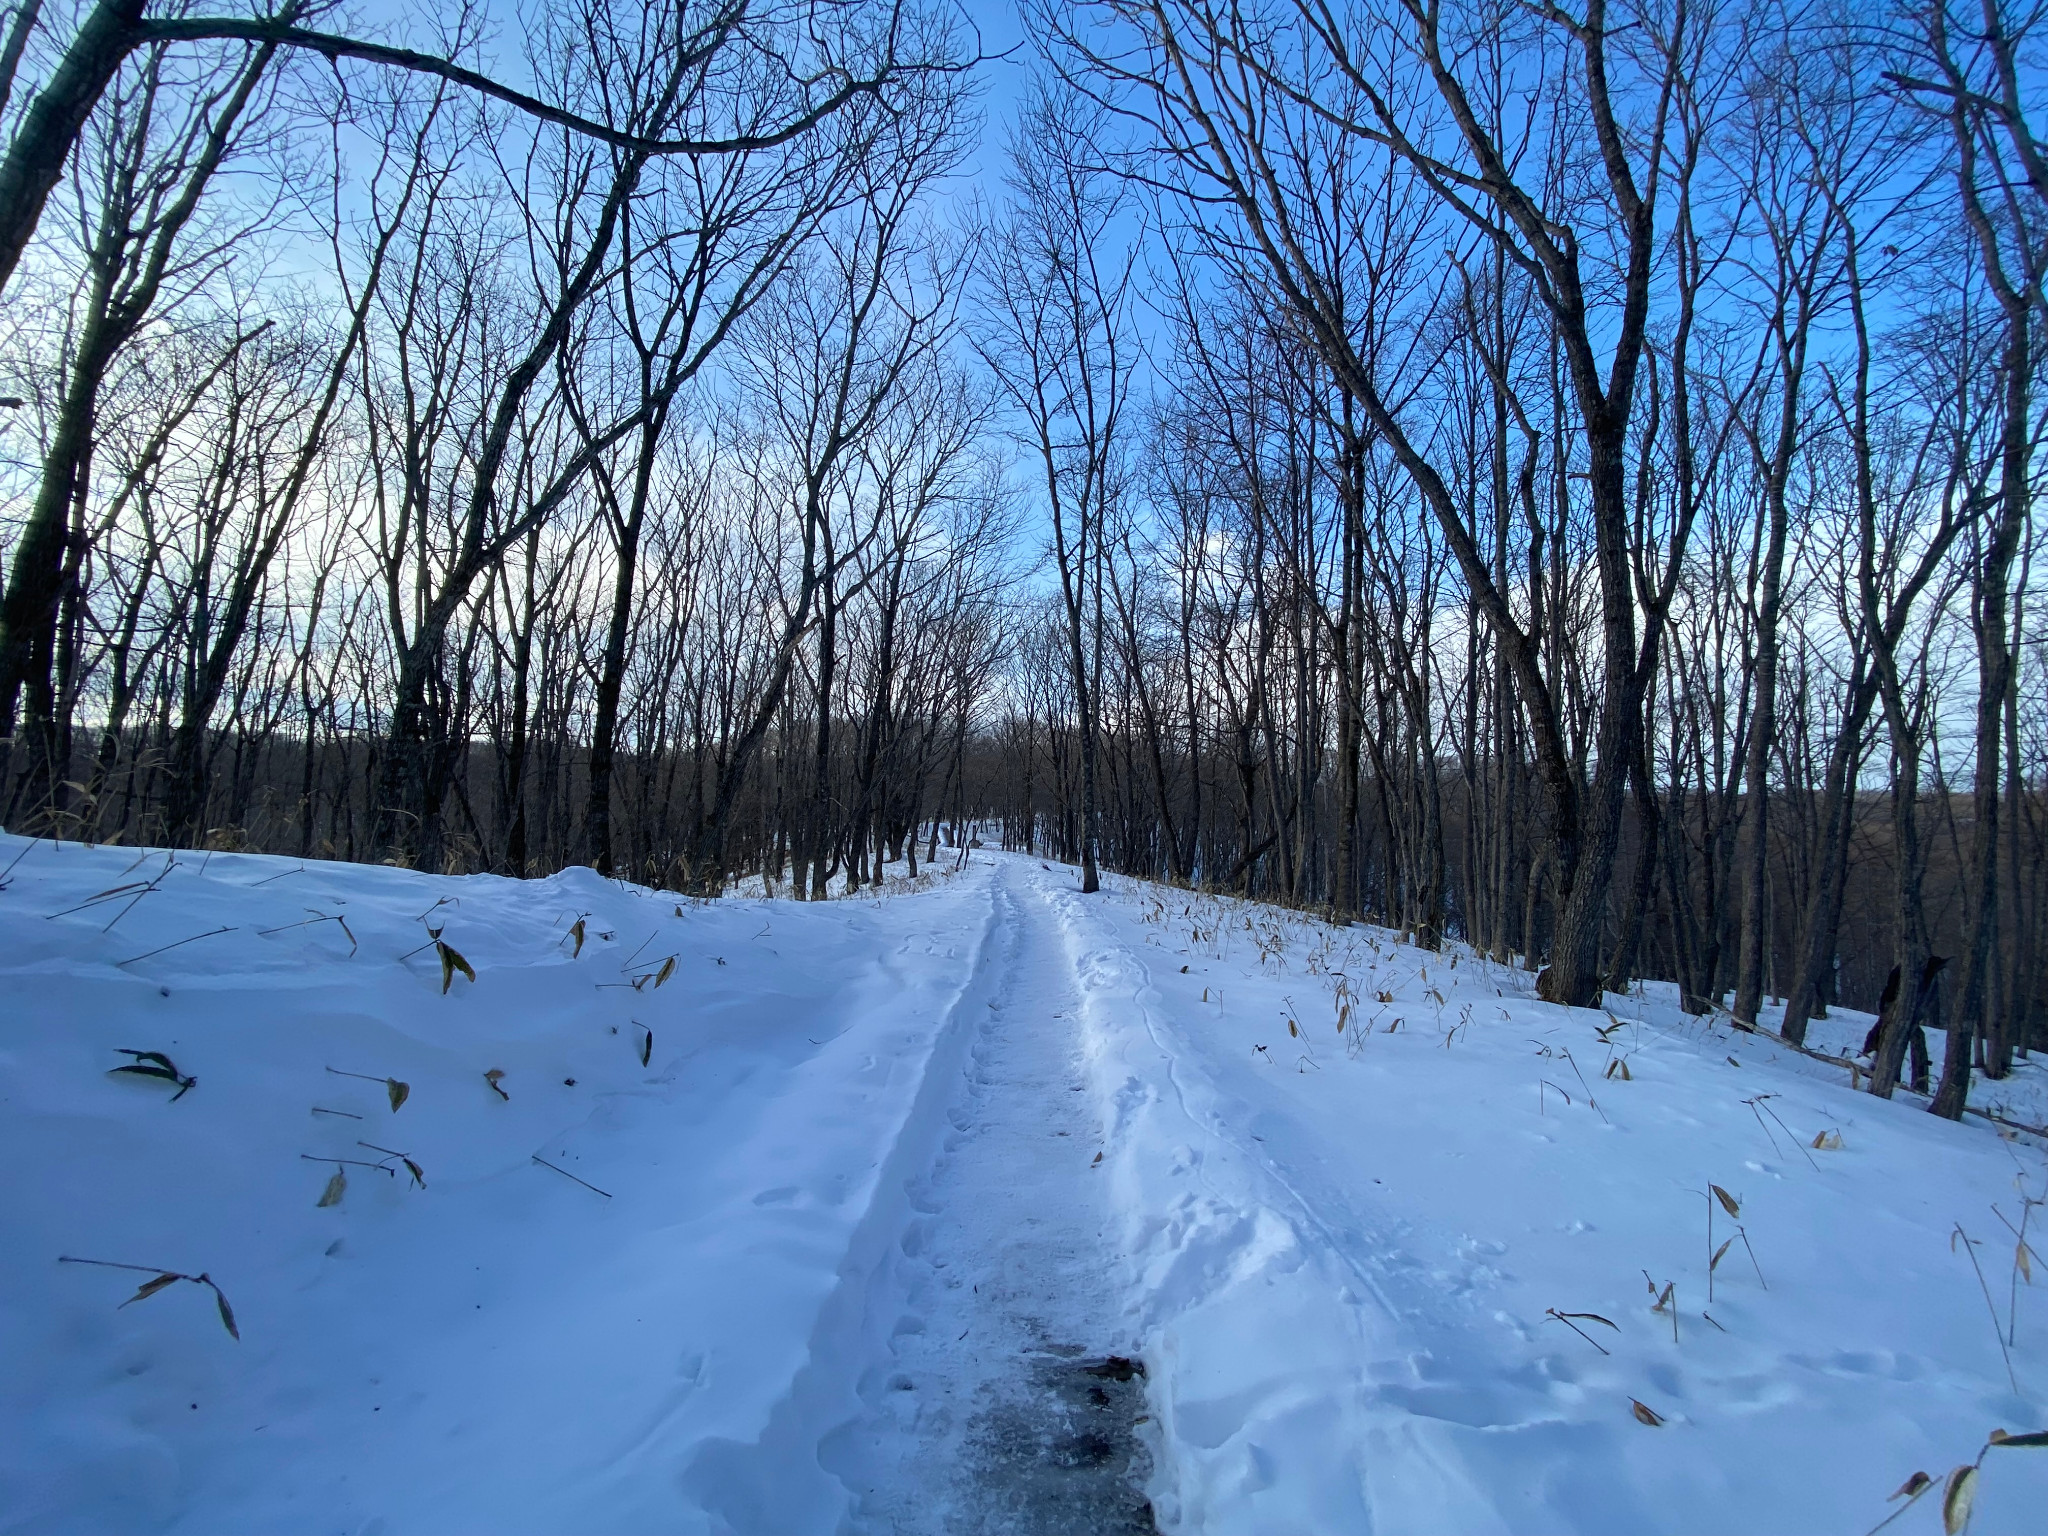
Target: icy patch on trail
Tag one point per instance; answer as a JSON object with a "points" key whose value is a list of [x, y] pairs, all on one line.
{"points": [[1349, 1249]]}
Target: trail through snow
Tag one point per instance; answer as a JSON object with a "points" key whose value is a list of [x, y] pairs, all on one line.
{"points": [[981, 1208], [1006, 1401]]}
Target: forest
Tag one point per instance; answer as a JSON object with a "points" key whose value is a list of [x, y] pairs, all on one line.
{"points": [[1548, 477]]}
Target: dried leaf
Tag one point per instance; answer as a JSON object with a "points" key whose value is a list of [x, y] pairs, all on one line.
{"points": [[1664, 1300], [451, 962], [1719, 1253], [492, 1077], [1291, 1029], [2023, 1264], [646, 1047], [1912, 1487], [396, 1092], [1594, 1317], [419, 1179], [159, 1073], [227, 1313], [668, 969], [2038, 1439], [151, 1287], [1098, 1158], [156, 1056], [576, 933], [336, 1188], [1728, 1202], [1646, 1414], [1626, 1075], [1957, 1498], [1828, 1141]]}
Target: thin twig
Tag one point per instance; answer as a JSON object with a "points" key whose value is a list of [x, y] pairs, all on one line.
{"points": [[170, 863], [140, 1269], [212, 933], [352, 1162], [91, 901], [1970, 1247], [6, 873], [1575, 1328], [1743, 1233], [565, 1173]]}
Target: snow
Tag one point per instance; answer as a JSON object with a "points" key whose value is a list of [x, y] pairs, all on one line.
{"points": [[503, 1350], [857, 1266], [1348, 1247]]}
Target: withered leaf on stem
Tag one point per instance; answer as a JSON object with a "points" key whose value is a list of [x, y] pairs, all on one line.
{"points": [[668, 969], [151, 1287], [1957, 1498], [492, 1077], [227, 1313], [1728, 1202], [2038, 1439], [1911, 1488], [576, 933], [336, 1188], [451, 962], [1645, 1413], [646, 1047], [396, 1092]]}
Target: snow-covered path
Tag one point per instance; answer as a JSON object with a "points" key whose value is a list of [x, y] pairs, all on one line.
{"points": [[760, 1218], [1006, 1402]]}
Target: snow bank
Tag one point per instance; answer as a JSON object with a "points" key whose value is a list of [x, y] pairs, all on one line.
{"points": [[504, 1349], [1347, 1248]]}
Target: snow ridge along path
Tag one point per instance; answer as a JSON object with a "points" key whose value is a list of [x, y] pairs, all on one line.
{"points": [[635, 1339], [1348, 1249]]}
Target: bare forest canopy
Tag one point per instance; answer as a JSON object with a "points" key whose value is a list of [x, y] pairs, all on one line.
{"points": [[1554, 476]]}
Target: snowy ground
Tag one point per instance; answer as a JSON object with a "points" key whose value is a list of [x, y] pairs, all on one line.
{"points": [[983, 1207]]}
